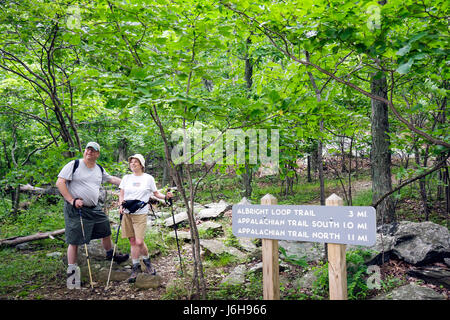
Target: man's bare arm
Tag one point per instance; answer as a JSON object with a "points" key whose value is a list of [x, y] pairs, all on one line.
{"points": [[62, 187], [114, 180]]}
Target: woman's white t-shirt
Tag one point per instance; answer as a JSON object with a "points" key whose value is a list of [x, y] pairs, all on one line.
{"points": [[138, 188]]}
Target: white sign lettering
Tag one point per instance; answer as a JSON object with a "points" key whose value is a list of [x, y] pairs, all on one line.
{"points": [[330, 224]]}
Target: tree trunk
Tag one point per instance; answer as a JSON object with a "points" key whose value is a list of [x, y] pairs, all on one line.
{"points": [[248, 177], [248, 67], [198, 275], [308, 158], [422, 187], [320, 164], [320, 142], [15, 197], [122, 150], [380, 156], [350, 200]]}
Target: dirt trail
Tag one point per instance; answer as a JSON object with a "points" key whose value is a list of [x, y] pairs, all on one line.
{"points": [[166, 266]]}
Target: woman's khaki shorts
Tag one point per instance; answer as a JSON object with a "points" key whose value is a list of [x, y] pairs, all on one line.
{"points": [[134, 225]]}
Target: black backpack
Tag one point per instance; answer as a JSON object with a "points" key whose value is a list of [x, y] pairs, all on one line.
{"points": [[77, 163]]}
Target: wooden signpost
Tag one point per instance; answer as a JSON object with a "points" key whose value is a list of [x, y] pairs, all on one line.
{"points": [[271, 277], [333, 224], [337, 266]]}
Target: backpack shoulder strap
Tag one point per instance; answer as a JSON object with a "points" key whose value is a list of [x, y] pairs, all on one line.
{"points": [[75, 165], [101, 168]]}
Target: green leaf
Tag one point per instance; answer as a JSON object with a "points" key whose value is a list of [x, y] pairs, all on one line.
{"points": [[274, 96], [404, 50], [404, 68], [418, 36], [138, 73], [346, 34]]}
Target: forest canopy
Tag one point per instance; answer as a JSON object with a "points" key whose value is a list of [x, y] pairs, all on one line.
{"points": [[76, 71]]}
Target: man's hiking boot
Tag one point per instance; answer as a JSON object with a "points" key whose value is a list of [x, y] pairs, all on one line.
{"points": [[148, 267], [118, 257], [134, 272]]}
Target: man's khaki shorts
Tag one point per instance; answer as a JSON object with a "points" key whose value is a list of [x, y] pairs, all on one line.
{"points": [[134, 225]]}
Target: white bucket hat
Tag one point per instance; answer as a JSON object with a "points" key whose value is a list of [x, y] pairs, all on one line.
{"points": [[138, 156]]}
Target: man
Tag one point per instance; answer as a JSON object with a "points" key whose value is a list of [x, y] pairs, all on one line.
{"points": [[80, 187]]}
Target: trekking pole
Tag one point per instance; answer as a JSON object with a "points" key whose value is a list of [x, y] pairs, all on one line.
{"points": [[151, 207], [176, 234], [114, 251], [85, 248]]}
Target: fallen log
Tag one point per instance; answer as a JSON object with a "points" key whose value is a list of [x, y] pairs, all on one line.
{"points": [[27, 188], [38, 236]]}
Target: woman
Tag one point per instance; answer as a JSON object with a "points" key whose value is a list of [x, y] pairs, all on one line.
{"points": [[137, 186]]}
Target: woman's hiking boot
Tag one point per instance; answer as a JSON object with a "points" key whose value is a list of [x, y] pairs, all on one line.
{"points": [[148, 267], [134, 272]]}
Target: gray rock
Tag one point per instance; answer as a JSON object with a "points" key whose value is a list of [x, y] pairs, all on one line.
{"points": [[179, 218], [252, 250], [256, 268], [182, 235], [247, 244], [413, 242], [259, 267], [23, 246], [159, 215], [380, 252], [435, 275], [95, 251], [213, 210], [236, 277], [309, 251], [54, 254], [198, 207], [217, 247], [244, 200], [205, 227], [421, 243], [209, 226], [306, 281], [411, 291], [447, 261], [117, 274], [147, 281]]}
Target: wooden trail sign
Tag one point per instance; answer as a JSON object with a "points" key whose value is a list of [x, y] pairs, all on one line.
{"points": [[326, 224], [334, 224]]}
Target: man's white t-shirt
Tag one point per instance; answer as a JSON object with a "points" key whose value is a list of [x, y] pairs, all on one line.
{"points": [[138, 188], [85, 182]]}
